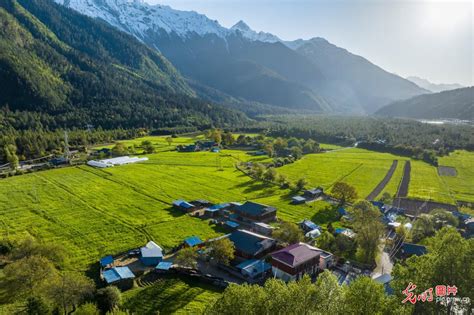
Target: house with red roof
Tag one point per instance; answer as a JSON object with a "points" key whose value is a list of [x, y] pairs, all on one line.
{"points": [[294, 261]]}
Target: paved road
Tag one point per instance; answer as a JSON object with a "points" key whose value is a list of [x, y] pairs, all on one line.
{"points": [[384, 263]]}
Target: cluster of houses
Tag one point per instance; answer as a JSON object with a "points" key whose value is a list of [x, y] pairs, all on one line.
{"points": [[199, 146], [258, 255], [120, 271]]}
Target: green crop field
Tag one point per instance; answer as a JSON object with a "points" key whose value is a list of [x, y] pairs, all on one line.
{"points": [[461, 186], [361, 168], [425, 183], [171, 295]]}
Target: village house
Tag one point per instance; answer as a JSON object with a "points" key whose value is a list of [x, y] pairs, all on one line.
{"points": [[294, 261], [297, 200], [469, 226], [201, 203], [106, 261], [262, 228], [347, 232], [254, 212], [215, 211], [308, 226], [151, 254], [183, 206], [251, 245], [192, 241], [231, 225], [254, 268], [313, 193], [122, 277]]}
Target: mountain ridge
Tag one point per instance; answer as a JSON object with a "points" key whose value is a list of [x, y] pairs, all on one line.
{"points": [[452, 104], [241, 62], [433, 87]]}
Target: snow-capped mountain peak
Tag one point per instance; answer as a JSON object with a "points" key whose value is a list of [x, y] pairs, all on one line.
{"points": [[142, 20], [138, 17], [249, 33], [241, 26]]}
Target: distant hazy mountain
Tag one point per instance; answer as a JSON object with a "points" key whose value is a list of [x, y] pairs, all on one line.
{"points": [[457, 104], [352, 81], [433, 87], [257, 66], [72, 70]]}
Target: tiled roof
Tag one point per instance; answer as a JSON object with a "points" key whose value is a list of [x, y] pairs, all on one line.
{"points": [[296, 254]]}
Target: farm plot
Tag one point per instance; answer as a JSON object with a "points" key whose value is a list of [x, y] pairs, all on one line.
{"points": [[462, 184], [171, 296], [361, 168], [426, 184]]}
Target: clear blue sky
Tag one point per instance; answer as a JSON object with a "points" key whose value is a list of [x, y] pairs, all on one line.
{"points": [[430, 39]]}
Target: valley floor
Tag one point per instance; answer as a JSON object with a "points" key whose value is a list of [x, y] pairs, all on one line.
{"points": [[95, 212]]}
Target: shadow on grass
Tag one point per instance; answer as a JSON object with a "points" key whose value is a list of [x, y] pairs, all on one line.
{"points": [[326, 215], [175, 213], [93, 272]]}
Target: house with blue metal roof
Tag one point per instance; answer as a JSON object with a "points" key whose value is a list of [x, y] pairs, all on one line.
{"points": [[231, 224], [307, 226], [151, 254], [216, 210], [251, 245], [105, 261], [119, 276], [252, 211], [183, 205], [164, 266], [347, 232], [254, 268], [342, 211], [192, 241]]}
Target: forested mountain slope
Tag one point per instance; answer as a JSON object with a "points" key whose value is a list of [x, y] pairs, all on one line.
{"points": [[457, 104], [74, 70]]}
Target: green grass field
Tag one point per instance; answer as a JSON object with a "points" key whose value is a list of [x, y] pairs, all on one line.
{"points": [[171, 296], [461, 186], [425, 183], [361, 168]]}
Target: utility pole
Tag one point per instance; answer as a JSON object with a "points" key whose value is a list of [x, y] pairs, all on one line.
{"points": [[67, 153]]}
